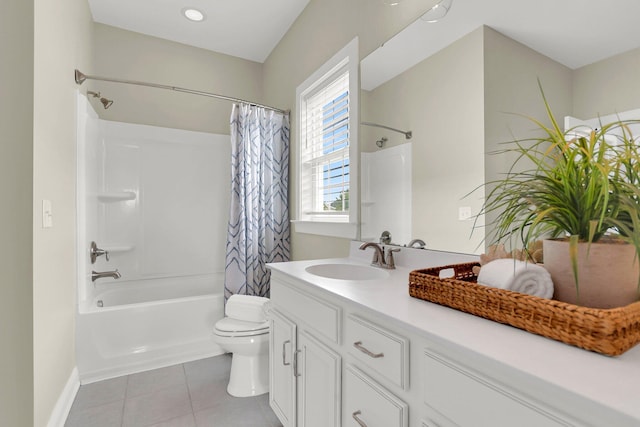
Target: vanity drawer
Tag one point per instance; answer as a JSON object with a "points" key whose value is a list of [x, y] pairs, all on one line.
{"points": [[316, 313], [384, 352], [368, 404], [469, 399]]}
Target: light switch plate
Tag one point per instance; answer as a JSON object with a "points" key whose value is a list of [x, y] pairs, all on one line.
{"points": [[47, 214]]}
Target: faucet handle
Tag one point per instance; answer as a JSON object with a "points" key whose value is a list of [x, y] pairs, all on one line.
{"points": [[390, 262], [95, 252]]}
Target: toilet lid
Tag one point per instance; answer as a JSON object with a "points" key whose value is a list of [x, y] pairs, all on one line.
{"points": [[235, 327]]}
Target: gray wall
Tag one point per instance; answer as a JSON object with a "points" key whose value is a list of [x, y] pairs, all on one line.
{"points": [[62, 42], [441, 101], [608, 86], [128, 55], [323, 28], [511, 73], [16, 182]]}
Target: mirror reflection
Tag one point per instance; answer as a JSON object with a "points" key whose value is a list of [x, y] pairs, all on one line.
{"points": [[452, 83]]}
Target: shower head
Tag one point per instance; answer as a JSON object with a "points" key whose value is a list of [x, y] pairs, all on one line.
{"points": [[106, 103]]}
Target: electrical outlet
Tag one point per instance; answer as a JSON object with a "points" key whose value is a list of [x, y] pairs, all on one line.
{"points": [[464, 213]]}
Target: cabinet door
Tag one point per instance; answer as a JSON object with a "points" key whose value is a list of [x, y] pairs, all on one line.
{"points": [[282, 384], [368, 404], [320, 384]]}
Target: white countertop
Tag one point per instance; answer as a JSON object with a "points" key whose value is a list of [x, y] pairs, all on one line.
{"points": [[611, 381]]}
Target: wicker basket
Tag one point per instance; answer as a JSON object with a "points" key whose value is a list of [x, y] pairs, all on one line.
{"points": [[607, 331]]}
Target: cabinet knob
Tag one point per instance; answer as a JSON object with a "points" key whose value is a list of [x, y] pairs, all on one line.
{"points": [[358, 420], [359, 346]]}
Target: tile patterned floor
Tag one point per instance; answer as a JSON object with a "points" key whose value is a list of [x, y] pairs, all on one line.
{"points": [[192, 394]]}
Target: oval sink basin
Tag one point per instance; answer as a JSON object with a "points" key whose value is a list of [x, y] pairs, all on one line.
{"points": [[347, 271]]}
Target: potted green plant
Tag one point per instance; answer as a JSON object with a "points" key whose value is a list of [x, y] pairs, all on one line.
{"points": [[580, 193]]}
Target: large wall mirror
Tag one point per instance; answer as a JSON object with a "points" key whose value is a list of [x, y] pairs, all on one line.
{"points": [[453, 83]]}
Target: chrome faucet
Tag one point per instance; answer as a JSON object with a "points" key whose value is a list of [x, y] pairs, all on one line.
{"points": [[379, 259], [102, 274], [421, 244]]}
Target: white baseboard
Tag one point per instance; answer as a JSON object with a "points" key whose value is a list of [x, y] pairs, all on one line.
{"points": [[63, 405]]}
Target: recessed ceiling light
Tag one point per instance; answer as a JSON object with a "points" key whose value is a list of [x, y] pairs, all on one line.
{"points": [[193, 14]]}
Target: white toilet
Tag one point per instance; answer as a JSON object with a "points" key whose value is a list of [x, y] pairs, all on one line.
{"points": [[244, 331]]}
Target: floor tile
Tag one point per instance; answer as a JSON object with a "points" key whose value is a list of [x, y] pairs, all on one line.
{"points": [[152, 408], [211, 369], [190, 395], [269, 415], [239, 415], [108, 415], [207, 380], [100, 392], [183, 421], [155, 380]]}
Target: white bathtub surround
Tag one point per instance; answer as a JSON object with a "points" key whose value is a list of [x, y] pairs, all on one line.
{"points": [[386, 194], [128, 335], [440, 366], [258, 230], [157, 200]]}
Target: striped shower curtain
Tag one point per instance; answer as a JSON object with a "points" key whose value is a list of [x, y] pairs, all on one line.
{"points": [[258, 230]]}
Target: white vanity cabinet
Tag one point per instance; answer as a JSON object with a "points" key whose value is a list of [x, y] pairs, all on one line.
{"points": [[282, 380], [368, 404], [356, 353], [305, 372], [466, 398], [376, 355], [378, 350]]}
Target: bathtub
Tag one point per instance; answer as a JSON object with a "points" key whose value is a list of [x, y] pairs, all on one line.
{"points": [[135, 326]]}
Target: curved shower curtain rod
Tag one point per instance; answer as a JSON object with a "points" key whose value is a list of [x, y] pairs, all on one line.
{"points": [[81, 77], [408, 134]]}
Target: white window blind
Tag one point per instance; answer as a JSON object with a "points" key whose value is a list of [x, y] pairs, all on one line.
{"points": [[324, 157]]}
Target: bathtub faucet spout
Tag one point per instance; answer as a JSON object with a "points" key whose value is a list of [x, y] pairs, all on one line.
{"points": [[100, 274]]}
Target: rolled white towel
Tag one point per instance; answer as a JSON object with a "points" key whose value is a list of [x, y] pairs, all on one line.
{"points": [[518, 276]]}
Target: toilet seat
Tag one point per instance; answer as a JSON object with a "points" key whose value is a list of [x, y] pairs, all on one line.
{"points": [[228, 327]]}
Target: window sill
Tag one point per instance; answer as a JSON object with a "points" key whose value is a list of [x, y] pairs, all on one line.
{"points": [[346, 230]]}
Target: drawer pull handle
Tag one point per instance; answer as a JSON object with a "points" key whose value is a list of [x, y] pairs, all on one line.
{"points": [[284, 358], [359, 346], [358, 420]]}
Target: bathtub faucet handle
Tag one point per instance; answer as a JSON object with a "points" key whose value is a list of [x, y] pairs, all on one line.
{"points": [[95, 252]]}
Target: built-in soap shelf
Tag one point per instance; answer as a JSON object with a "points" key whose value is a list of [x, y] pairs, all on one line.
{"points": [[116, 196]]}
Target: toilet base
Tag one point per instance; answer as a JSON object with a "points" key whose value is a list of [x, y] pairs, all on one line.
{"points": [[249, 375]]}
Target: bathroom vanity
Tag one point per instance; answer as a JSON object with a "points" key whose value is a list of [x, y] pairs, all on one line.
{"points": [[350, 347]]}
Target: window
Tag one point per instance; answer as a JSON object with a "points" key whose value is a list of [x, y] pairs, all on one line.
{"points": [[327, 146]]}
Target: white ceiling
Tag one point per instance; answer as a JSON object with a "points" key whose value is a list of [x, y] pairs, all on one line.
{"points": [[248, 29], [572, 32]]}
